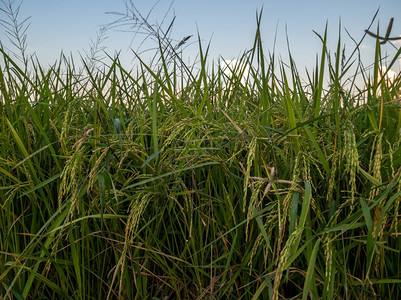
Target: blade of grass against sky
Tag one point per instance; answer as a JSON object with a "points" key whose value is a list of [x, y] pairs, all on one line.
{"points": [[69, 27]]}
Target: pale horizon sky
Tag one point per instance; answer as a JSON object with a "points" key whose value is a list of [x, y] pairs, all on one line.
{"points": [[230, 26]]}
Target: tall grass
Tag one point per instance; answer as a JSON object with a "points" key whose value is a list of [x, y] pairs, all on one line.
{"points": [[178, 182]]}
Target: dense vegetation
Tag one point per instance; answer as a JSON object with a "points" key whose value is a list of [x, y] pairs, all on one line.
{"points": [[180, 182]]}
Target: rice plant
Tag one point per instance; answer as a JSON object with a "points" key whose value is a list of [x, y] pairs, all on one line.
{"points": [[180, 182]]}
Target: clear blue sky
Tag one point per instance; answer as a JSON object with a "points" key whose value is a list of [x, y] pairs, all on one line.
{"points": [[230, 25]]}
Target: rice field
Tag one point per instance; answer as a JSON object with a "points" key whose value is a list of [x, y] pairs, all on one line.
{"points": [[177, 181]]}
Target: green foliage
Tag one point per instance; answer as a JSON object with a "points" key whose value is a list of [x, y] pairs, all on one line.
{"points": [[128, 185]]}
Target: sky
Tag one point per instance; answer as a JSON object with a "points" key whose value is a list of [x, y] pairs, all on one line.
{"points": [[229, 26]]}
